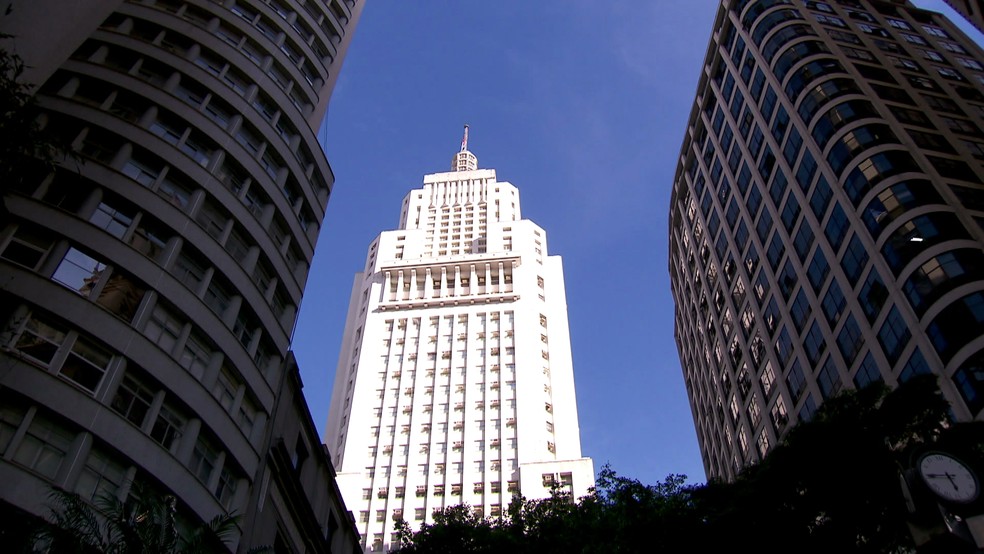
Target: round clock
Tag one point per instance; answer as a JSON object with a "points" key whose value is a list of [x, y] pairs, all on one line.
{"points": [[948, 477]]}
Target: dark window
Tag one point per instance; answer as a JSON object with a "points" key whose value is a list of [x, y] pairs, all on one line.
{"points": [[894, 335], [764, 226], [957, 324], [836, 227], [814, 344], [873, 295], [776, 250], [918, 234], [771, 316], [854, 259], [777, 189], [741, 235], [787, 280], [867, 373], [784, 346], [821, 198], [874, 170], [803, 241], [796, 382], [790, 213], [754, 201], [915, 366], [807, 169], [941, 274], [800, 310], [828, 379], [896, 200], [969, 379], [833, 304], [818, 270], [849, 340]]}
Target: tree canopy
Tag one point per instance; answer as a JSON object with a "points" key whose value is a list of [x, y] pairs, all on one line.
{"points": [[833, 485]]}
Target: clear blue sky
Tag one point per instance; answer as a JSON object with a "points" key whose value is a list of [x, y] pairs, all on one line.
{"points": [[580, 104]]}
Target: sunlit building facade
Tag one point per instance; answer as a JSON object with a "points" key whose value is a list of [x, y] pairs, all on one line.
{"points": [[455, 382], [827, 217], [151, 282]]}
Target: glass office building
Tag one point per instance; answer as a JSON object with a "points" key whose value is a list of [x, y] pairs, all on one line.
{"points": [[827, 216]]}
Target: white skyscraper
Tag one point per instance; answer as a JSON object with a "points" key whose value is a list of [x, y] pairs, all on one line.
{"points": [[455, 382]]}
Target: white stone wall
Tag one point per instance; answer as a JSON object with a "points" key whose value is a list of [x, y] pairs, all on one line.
{"points": [[455, 382]]}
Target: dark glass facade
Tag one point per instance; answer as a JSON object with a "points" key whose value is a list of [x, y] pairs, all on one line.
{"points": [[832, 166]]}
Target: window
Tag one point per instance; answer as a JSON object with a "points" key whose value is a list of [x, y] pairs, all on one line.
{"points": [[867, 373], [115, 220], [854, 259], [795, 381], [850, 340], [828, 379], [86, 364], [784, 346], [767, 379], [101, 476], [915, 366], [77, 358], [195, 355], [27, 248], [778, 415], [40, 340], [132, 400], [167, 427], [873, 295], [79, 271], [894, 335], [44, 447], [204, 459]]}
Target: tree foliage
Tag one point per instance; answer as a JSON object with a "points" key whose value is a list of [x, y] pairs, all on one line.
{"points": [[833, 485], [145, 524], [26, 148]]}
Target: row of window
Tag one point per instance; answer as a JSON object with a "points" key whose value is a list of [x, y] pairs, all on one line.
{"points": [[122, 294], [191, 141], [891, 335], [47, 446]]}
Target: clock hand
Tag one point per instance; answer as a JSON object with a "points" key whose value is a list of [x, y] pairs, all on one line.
{"points": [[950, 477]]}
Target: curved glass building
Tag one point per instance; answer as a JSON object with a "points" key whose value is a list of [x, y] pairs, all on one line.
{"points": [[827, 216], [151, 283]]}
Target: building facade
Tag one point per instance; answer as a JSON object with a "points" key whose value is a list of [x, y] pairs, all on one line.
{"points": [[151, 282], [827, 217], [455, 382]]}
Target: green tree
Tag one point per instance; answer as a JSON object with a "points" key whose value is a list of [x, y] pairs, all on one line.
{"points": [[145, 524], [26, 149], [833, 485]]}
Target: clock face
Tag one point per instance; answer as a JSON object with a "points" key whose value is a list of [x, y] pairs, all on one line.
{"points": [[948, 477]]}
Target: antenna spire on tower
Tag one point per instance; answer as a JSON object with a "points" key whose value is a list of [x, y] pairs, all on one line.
{"points": [[464, 140]]}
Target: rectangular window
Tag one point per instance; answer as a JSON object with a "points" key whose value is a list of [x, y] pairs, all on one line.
{"points": [[44, 447], [102, 476], [204, 459], [86, 364], [40, 340], [78, 271], [132, 400], [849, 340], [167, 427], [27, 248]]}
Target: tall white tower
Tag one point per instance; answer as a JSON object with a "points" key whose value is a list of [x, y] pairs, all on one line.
{"points": [[455, 382]]}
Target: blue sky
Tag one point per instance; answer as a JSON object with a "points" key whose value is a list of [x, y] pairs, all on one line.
{"points": [[582, 105]]}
